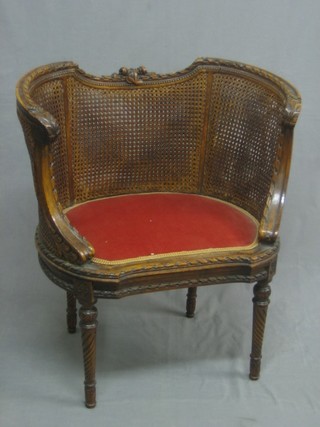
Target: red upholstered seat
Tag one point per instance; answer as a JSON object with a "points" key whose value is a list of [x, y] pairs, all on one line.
{"points": [[132, 226]]}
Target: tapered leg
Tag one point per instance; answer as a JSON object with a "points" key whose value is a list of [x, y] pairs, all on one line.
{"points": [[88, 323], [71, 312], [191, 301], [260, 301]]}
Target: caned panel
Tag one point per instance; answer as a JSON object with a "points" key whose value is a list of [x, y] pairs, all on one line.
{"points": [[243, 133], [137, 139]]}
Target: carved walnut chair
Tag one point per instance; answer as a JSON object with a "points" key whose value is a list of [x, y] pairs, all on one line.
{"points": [[149, 182]]}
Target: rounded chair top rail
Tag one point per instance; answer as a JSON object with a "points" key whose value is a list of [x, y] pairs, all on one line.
{"points": [[140, 77]]}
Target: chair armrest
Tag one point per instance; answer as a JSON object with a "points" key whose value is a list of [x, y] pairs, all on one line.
{"points": [[45, 127], [68, 242], [41, 129], [270, 223]]}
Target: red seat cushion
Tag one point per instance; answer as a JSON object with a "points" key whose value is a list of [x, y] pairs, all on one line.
{"points": [[141, 225]]}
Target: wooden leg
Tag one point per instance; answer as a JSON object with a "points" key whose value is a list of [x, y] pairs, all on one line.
{"points": [[260, 301], [88, 324], [71, 312], [191, 301]]}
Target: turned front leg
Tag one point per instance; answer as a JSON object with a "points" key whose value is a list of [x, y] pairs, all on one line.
{"points": [[191, 301], [260, 301], [71, 312], [88, 324]]}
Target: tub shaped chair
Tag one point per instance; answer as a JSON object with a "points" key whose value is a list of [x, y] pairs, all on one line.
{"points": [[151, 182]]}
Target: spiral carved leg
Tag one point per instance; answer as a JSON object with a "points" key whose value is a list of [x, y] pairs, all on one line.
{"points": [[191, 301], [260, 301], [71, 312], [88, 323]]}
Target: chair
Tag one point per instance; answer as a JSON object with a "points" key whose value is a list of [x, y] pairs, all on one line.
{"points": [[151, 182]]}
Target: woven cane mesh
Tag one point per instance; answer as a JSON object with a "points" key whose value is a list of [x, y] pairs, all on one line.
{"points": [[244, 126], [50, 96], [140, 139], [130, 139]]}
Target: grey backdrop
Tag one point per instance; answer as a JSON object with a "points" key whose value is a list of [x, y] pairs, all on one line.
{"points": [[156, 368]]}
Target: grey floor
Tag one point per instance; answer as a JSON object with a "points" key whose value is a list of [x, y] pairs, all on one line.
{"points": [[154, 366]]}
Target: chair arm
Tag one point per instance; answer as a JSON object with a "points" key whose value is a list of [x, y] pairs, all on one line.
{"points": [[54, 229], [45, 128], [270, 223], [69, 243], [41, 129]]}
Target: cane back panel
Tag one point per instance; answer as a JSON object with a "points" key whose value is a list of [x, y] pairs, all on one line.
{"points": [[140, 140], [243, 133], [211, 132]]}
